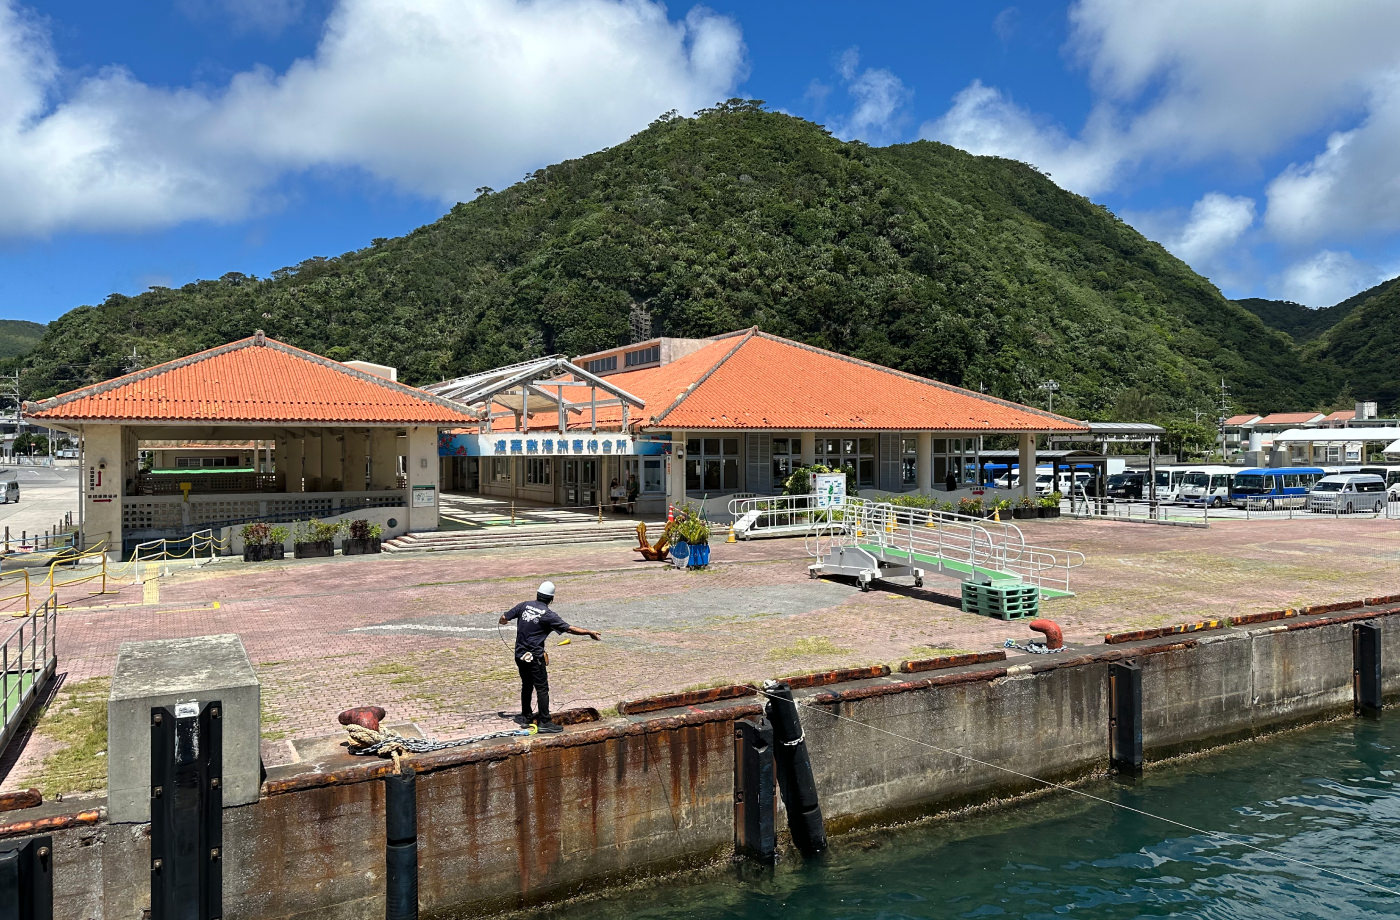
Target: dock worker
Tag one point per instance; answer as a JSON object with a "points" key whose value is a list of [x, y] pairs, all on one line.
{"points": [[537, 621]]}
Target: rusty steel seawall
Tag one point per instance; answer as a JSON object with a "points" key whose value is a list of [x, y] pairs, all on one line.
{"points": [[530, 821]]}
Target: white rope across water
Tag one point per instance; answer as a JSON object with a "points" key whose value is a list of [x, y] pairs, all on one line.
{"points": [[1088, 795]]}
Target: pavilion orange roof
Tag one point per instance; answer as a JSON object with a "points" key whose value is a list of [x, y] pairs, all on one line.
{"points": [[250, 381], [757, 381]]}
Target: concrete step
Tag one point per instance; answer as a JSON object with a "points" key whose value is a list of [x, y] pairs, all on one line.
{"points": [[530, 535]]}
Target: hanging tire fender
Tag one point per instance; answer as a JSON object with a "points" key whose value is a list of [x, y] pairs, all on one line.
{"points": [[1054, 636]]}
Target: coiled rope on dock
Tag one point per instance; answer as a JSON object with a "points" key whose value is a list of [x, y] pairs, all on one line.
{"points": [[389, 743]]}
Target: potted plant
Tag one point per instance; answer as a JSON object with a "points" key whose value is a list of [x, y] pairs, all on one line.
{"points": [[696, 532], [255, 541], [363, 539], [947, 507], [1025, 508], [970, 507], [315, 539], [1001, 508], [1050, 505]]}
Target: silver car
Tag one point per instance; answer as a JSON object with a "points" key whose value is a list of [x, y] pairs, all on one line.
{"points": [[1345, 493]]}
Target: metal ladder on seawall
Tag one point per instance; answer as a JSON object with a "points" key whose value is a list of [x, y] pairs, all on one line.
{"points": [[880, 540]]}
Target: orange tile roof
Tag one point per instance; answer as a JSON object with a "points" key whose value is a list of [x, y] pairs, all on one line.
{"points": [[1340, 415], [1244, 419], [1289, 418], [753, 380], [252, 380]]}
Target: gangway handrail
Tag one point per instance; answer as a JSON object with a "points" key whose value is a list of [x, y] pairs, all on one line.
{"points": [[982, 545]]}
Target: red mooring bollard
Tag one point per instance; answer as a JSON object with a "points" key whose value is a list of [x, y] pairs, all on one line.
{"points": [[1054, 637]]}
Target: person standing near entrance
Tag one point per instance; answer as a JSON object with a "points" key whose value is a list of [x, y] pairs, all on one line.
{"points": [[537, 621], [951, 481]]}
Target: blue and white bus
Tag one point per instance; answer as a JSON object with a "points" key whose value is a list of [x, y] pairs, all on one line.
{"points": [[1274, 487]]}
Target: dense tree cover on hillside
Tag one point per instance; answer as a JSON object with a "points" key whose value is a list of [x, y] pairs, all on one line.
{"points": [[1300, 322], [18, 337], [1365, 345], [974, 270]]}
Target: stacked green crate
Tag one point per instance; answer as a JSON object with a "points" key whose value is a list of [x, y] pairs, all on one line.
{"points": [[1006, 600]]}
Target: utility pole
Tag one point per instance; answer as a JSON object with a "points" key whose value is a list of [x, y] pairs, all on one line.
{"points": [[1050, 387], [133, 361], [1223, 411]]}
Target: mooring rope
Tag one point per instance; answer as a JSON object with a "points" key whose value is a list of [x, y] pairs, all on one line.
{"points": [[1088, 795], [388, 743]]}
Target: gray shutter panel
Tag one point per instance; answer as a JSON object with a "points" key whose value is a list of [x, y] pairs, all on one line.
{"points": [[759, 478], [889, 463]]}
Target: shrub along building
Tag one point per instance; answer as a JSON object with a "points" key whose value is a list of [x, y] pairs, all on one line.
{"points": [[737, 413], [326, 439]]}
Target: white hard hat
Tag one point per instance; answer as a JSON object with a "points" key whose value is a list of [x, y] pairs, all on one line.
{"points": [[546, 589]]}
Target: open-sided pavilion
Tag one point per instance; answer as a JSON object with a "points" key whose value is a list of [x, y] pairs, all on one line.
{"points": [[329, 439]]}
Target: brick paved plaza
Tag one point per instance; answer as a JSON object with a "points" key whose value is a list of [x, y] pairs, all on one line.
{"points": [[417, 634]]}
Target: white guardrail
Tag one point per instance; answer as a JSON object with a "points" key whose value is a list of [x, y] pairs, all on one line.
{"points": [[974, 542]]}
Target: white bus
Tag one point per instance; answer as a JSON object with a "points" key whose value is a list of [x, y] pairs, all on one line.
{"points": [[1207, 484]]}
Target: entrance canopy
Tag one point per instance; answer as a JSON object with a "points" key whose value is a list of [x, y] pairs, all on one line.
{"points": [[519, 391]]}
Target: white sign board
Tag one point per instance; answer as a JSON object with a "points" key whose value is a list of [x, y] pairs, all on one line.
{"points": [[424, 496], [830, 489]]}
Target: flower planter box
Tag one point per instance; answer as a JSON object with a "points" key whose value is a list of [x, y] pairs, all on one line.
{"points": [[352, 547], [263, 552], [1050, 512], [317, 550], [1022, 514]]}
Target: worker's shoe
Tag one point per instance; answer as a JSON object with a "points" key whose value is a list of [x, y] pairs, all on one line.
{"points": [[550, 728], [523, 719]]}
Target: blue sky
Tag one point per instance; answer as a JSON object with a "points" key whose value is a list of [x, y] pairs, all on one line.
{"points": [[158, 143]]}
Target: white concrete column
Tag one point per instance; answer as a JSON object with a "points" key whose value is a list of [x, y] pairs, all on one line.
{"points": [[1026, 444], [356, 455], [332, 460], [383, 458], [675, 482], [311, 462], [923, 462], [103, 464], [809, 448], [422, 476], [294, 464]]}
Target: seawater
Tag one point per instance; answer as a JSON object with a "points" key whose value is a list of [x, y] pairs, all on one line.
{"points": [[1327, 795]]}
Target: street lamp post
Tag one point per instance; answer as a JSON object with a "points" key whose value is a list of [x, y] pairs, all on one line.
{"points": [[1051, 388]]}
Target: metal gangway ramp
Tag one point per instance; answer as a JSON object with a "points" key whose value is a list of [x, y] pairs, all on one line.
{"points": [[868, 540]]}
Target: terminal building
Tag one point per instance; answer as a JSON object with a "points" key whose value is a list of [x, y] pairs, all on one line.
{"points": [[701, 419], [257, 430]]}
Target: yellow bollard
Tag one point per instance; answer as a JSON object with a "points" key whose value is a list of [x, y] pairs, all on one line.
{"points": [[731, 535]]}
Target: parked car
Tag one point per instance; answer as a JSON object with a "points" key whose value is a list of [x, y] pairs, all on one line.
{"points": [[1130, 484], [9, 491], [1348, 492]]}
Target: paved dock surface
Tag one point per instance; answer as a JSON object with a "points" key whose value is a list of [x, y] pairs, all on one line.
{"points": [[418, 634]]}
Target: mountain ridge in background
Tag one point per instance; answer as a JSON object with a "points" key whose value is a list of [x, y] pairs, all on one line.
{"points": [[19, 336], [974, 270]]}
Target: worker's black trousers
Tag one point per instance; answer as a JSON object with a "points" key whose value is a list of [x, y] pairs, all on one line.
{"points": [[534, 678]]}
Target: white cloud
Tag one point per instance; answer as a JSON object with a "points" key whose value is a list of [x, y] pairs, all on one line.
{"points": [[1181, 81], [877, 97], [985, 122], [1216, 223], [1352, 186], [267, 16], [435, 97], [1326, 278]]}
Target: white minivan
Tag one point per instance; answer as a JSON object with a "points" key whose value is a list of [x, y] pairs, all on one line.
{"points": [[1347, 492]]}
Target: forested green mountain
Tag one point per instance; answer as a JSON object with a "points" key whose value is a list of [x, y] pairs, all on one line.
{"points": [[1365, 345], [1302, 323], [974, 270], [19, 336]]}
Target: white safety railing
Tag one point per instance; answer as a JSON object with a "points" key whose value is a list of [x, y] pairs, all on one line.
{"points": [[974, 542], [28, 658], [201, 548]]}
